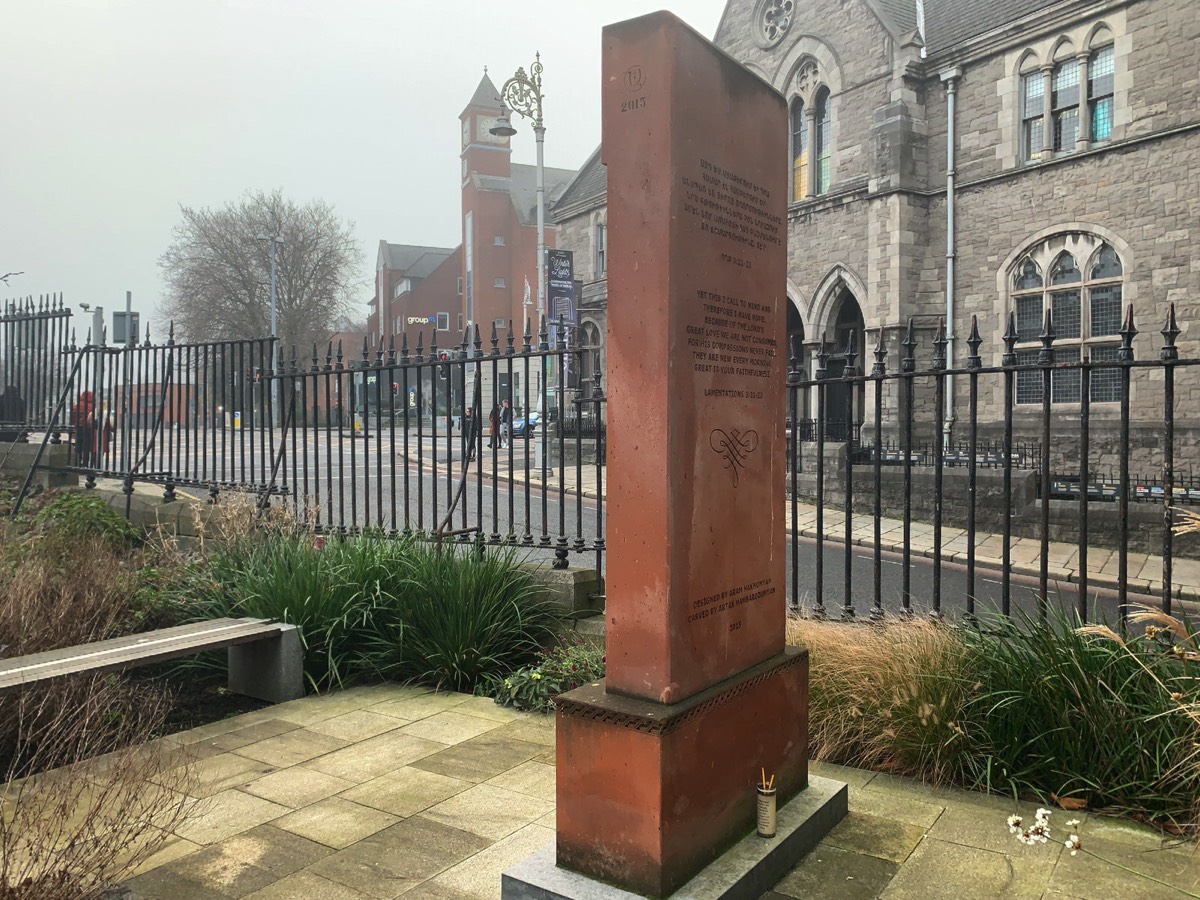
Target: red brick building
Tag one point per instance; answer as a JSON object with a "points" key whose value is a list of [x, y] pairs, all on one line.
{"points": [[439, 292]]}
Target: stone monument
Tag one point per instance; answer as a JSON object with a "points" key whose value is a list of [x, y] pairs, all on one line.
{"points": [[657, 764]]}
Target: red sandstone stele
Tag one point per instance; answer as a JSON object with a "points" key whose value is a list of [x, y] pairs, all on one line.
{"points": [[657, 764]]}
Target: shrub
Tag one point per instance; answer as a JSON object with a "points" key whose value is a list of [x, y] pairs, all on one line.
{"points": [[458, 618], [77, 830], [72, 517], [1062, 715], [561, 669], [330, 593], [1021, 707], [395, 608], [47, 602]]}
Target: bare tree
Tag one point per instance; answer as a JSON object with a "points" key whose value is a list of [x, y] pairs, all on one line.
{"points": [[218, 272]]}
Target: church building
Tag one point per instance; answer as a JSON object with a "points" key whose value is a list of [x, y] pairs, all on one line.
{"points": [[951, 158]]}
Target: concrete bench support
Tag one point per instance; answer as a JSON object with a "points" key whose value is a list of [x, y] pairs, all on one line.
{"points": [[270, 669]]}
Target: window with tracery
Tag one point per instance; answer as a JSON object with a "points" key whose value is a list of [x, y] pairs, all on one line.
{"points": [[1079, 280]]}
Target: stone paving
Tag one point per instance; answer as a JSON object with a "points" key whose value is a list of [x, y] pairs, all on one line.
{"points": [[383, 791]]}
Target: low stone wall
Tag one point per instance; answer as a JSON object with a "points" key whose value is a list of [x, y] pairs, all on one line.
{"points": [[1145, 519]]}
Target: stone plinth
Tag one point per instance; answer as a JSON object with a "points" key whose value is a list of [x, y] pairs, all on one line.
{"points": [[649, 794], [746, 871]]}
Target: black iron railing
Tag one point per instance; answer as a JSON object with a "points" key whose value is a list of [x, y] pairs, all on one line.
{"points": [[908, 429]]}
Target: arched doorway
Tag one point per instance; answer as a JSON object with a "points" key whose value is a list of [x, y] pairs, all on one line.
{"points": [[844, 402]]}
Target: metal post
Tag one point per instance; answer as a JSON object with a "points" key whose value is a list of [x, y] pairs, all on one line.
{"points": [[274, 341], [539, 131]]}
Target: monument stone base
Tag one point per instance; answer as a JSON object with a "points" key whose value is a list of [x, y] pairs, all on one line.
{"points": [[745, 872], [651, 793]]}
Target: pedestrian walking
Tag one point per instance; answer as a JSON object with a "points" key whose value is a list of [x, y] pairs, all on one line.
{"points": [[505, 423], [494, 427], [83, 418]]}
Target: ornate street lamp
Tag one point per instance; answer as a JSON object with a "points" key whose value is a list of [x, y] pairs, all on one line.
{"points": [[523, 95]]}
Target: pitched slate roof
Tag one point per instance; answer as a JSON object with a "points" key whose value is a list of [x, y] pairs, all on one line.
{"points": [[589, 184], [952, 22], [404, 257], [486, 95], [903, 13]]}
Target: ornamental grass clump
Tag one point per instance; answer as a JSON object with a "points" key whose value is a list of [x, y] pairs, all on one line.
{"points": [[886, 698], [459, 619], [1079, 721]]}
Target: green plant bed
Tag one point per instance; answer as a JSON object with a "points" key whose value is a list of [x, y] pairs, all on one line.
{"points": [[560, 669], [376, 607], [1021, 707]]}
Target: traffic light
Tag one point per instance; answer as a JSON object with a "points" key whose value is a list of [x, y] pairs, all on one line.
{"points": [[444, 371]]}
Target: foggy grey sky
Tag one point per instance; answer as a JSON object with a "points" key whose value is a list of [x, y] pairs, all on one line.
{"points": [[115, 112]]}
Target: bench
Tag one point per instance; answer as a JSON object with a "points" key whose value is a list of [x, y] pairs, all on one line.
{"points": [[266, 659]]}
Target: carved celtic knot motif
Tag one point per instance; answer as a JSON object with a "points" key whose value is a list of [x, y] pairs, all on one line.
{"points": [[777, 19], [807, 77], [733, 447]]}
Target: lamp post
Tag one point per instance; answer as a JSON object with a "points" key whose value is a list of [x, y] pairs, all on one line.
{"points": [[523, 95], [275, 240]]}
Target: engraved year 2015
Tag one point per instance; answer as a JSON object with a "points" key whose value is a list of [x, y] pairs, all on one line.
{"points": [[635, 103], [734, 626]]}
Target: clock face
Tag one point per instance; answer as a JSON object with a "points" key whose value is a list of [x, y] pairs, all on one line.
{"points": [[484, 132]]}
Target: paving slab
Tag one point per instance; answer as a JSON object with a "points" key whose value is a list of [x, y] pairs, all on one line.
{"points": [[375, 756], [406, 791], [488, 811], [297, 786], [450, 727], [310, 886], [479, 876], [226, 814], [884, 839], [942, 871], [832, 873], [481, 758], [400, 857], [336, 822], [533, 778], [356, 725], [292, 747], [419, 706]]}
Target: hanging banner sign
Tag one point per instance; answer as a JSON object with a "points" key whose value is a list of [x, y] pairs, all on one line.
{"points": [[560, 284]]}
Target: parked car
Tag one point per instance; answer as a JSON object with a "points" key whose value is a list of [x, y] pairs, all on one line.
{"points": [[522, 429]]}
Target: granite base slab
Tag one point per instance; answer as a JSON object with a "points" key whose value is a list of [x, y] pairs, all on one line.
{"points": [[745, 872]]}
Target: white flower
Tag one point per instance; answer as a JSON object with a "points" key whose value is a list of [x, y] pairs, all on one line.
{"points": [[1071, 823], [1073, 844], [1014, 824]]}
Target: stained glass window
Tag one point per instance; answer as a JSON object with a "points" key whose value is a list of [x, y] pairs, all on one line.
{"points": [[1064, 270], [1064, 104], [824, 128], [1033, 93], [799, 150], [1100, 92], [1106, 383], [1028, 276], [1065, 383], [1107, 264], [1029, 317], [1083, 309], [1068, 318], [1106, 310]]}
